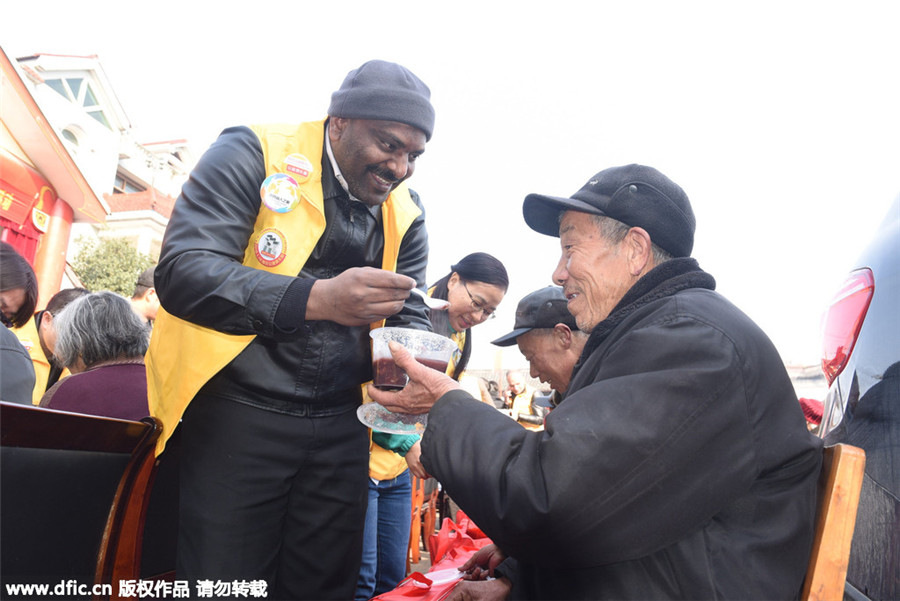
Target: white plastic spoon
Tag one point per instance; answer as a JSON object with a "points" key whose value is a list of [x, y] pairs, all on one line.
{"points": [[433, 303]]}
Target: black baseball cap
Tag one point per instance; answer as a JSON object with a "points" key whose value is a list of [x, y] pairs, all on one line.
{"points": [[636, 195], [542, 308]]}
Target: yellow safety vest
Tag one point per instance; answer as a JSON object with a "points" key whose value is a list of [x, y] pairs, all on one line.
{"points": [[183, 356]]}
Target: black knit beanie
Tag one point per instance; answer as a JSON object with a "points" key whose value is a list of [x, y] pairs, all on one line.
{"points": [[387, 92]]}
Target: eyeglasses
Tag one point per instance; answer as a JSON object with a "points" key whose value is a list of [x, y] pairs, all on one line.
{"points": [[477, 306]]}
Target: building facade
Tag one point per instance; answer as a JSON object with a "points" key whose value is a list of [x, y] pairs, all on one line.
{"points": [[70, 166]]}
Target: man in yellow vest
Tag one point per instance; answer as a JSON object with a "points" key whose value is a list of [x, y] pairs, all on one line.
{"points": [[286, 245], [519, 399], [38, 337]]}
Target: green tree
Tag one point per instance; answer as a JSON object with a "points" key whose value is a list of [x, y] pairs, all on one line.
{"points": [[109, 264]]}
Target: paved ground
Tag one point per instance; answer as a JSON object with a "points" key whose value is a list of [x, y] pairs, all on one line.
{"points": [[424, 564]]}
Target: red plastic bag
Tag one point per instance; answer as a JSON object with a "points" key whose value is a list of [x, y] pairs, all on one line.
{"points": [[455, 538], [450, 548], [471, 529], [417, 587]]}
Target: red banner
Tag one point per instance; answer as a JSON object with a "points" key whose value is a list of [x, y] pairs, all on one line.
{"points": [[21, 189]]}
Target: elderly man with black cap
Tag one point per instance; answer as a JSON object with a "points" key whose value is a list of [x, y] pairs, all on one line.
{"points": [[287, 243], [548, 337], [678, 464]]}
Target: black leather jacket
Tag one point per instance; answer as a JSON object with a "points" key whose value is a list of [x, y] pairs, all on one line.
{"points": [[200, 278], [678, 465]]}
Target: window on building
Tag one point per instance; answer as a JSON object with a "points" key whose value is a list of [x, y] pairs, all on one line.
{"points": [[59, 86], [125, 185], [69, 135], [79, 91]]}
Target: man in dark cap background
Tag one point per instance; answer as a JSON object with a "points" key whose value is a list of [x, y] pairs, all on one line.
{"points": [[677, 466], [144, 300], [286, 245], [548, 337]]}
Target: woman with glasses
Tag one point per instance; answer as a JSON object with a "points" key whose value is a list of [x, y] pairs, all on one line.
{"points": [[474, 287]]}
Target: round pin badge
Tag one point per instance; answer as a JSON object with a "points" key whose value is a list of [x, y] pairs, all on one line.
{"points": [[298, 166], [270, 247], [280, 192]]}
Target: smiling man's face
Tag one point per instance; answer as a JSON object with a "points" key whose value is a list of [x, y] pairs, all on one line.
{"points": [[375, 156], [593, 272]]}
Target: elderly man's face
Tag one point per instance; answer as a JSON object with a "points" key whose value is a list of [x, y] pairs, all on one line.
{"points": [[547, 358], [47, 334], [594, 274], [375, 156]]}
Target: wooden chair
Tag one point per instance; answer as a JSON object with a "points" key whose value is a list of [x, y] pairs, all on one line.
{"points": [[423, 518], [415, 526], [839, 488], [160, 537], [73, 496], [429, 515]]}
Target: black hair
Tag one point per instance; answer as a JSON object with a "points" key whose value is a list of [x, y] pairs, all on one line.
{"points": [[476, 267], [62, 298], [16, 272]]}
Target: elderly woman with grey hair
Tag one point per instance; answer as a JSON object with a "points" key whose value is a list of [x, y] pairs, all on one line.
{"points": [[102, 341]]}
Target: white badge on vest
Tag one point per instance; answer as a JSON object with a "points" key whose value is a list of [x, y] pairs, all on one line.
{"points": [[298, 166], [270, 247], [280, 193]]}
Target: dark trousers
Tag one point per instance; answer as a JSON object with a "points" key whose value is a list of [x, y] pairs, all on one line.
{"points": [[273, 497]]}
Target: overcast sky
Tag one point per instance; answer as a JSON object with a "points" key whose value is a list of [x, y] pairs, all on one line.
{"points": [[779, 119]]}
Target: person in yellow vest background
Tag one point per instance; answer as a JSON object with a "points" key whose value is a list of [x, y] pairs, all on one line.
{"points": [[474, 287], [18, 287], [18, 298], [287, 244], [519, 399], [35, 331]]}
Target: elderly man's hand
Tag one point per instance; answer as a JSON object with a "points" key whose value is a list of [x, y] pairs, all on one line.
{"points": [[482, 563], [425, 386], [481, 590]]}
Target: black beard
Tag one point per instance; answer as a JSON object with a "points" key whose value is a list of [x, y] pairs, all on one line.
{"points": [[385, 175]]}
